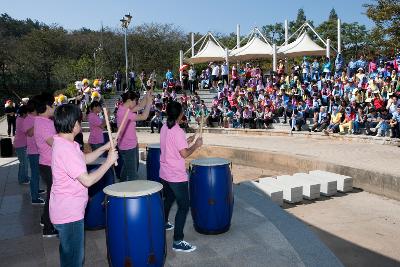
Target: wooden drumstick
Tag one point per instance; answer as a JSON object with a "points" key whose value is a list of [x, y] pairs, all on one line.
{"points": [[122, 126], [201, 123], [109, 129]]}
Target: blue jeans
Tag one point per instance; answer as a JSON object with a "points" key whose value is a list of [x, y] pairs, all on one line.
{"points": [[130, 166], [34, 164], [23, 164], [72, 247]]}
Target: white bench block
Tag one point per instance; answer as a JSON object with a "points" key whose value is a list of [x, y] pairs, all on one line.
{"points": [[274, 193], [328, 185], [344, 183], [291, 193], [311, 188]]}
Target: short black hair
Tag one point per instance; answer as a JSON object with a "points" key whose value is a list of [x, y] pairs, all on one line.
{"points": [[93, 105], [65, 117], [43, 100], [132, 95], [30, 106]]}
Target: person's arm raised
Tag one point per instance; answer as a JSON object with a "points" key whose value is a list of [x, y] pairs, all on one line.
{"points": [[92, 156], [146, 111], [189, 151], [88, 179]]}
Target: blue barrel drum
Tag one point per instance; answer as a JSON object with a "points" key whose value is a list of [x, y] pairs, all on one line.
{"points": [[153, 162], [135, 230], [95, 215], [211, 195]]}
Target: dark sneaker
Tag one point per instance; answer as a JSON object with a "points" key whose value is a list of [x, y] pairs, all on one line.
{"points": [[41, 222], [38, 201], [42, 191], [50, 233], [169, 226], [183, 246], [26, 182]]}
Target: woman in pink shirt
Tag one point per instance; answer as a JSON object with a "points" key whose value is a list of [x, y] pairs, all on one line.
{"points": [[20, 147], [96, 125], [43, 131], [33, 154], [174, 149], [69, 191], [127, 141]]}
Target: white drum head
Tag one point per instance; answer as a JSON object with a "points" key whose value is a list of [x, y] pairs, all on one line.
{"points": [[136, 188], [153, 146], [98, 161], [210, 162]]}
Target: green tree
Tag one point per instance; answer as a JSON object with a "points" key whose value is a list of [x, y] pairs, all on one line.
{"points": [[275, 33], [386, 16]]}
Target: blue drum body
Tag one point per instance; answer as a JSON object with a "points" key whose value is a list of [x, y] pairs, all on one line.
{"points": [[135, 230], [95, 213], [211, 195], [153, 163]]}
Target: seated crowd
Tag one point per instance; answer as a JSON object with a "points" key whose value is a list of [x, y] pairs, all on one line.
{"points": [[359, 97]]}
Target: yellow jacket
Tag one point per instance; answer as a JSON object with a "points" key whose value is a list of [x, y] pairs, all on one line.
{"points": [[336, 118]]}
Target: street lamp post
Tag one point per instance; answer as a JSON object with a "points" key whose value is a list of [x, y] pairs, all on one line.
{"points": [[125, 21], [98, 49]]}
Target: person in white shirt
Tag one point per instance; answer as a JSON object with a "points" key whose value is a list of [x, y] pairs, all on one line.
{"points": [[225, 73], [215, 75], [192, 79]]}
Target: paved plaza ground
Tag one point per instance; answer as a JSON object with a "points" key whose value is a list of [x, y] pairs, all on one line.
{"points": [[357, 229]]}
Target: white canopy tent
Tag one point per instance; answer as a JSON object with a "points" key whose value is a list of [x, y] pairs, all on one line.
{"points": [[302, 46], [212, 50], [256, 48]]}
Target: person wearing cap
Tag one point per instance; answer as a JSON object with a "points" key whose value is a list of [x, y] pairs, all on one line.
{"points": [[335, 121], [347, 123], [395, 123]]}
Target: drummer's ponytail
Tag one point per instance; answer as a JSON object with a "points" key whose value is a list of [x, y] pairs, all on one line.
{"points": [[174, 110]]}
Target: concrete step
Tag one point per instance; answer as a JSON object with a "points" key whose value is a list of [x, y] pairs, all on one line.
{"points": [[328, 185], [274, 193], [291, 193], [344, 183], [311, 189]]}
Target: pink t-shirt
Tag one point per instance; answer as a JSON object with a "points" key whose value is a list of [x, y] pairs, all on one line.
{"points": [[96, 130], [68, 197], [20, 138], [172, 165], [127, 139], [31, 148], [43, 130]]}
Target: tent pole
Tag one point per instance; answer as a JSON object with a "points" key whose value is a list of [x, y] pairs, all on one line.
{"points": [[339, 36], [274, 57], [328, 46], [180, 65], [192, 35], [196, 43], [238, 35], [227, 60], [286, 32]]}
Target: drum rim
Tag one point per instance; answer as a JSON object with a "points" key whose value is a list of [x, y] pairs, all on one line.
{"points": [[152, 188], [154, 145], [196, 162]]}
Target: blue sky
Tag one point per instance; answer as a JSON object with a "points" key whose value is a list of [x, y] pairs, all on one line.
{"points": [[214, 15]]}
